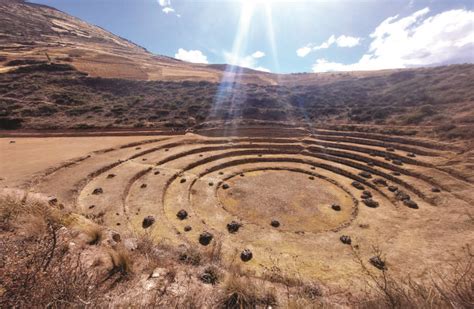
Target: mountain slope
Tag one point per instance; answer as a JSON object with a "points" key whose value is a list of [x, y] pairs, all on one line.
{"points": [[32, 31]]}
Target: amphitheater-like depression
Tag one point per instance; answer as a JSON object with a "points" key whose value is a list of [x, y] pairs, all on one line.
{"points": [[303, 203]]}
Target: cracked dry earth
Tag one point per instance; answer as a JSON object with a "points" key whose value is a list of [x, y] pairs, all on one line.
{"points": [[393, 192]]}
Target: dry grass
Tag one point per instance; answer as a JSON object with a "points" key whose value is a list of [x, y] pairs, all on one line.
{"points": [[454, 289], [241, 292], [40, 269]]}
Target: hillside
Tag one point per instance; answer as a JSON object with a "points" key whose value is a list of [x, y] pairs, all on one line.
{"points": [[62, 73]]}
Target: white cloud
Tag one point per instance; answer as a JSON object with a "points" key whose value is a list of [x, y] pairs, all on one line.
{"points": [[415, 40], [262, 69], [347, 41], [195, 56], [249, 61], [303, 51], [167, 8], [341, 41], [258, 54]]}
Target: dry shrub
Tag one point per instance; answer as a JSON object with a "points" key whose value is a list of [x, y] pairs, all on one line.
{"points": [[122, 264], [191, 256], [39, 269], [95, 234], [241, 292], [452, 290]]}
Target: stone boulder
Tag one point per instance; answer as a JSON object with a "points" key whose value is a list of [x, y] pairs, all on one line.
{"points": [[392, 188], [275, 223], [371, 203], [357, 185], [148, 221], [410, 204], [366, 194], [336, 207], [377, 262], [345, 239], [182, 214], [233, 227], [97, 191], [205, 238], [380, 182], [365, 174], [246, 255]]}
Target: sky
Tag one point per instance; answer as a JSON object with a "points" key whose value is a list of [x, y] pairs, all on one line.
{"points": [[284, 36]]}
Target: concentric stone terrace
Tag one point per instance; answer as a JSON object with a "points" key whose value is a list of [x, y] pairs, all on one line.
{"points": [[316, 185]]}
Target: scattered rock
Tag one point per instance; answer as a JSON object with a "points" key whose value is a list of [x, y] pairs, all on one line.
{"points": [[411, 155], [312, 167], [183, 180], [357, 185], [148, 221], [182, 214], [138, 148], [275, 223], [144, 159], [345, 239], [366, 194], [221, 173], [311, 177], [110, 176], [225, 186], [377, 262], [242, 175], [396, 174], [159, 273], [336, 207], [246, 255], [157, 173], [391, 149], [167, 149], [12, 142], [52, 200], [130, 244], [436, 190], [397, 162], [116, 237], [365, 174], [187, 228], [205, 238], [371, 203], [380, 182], [211, 184], [392, 188], [233, 227], [97, 191], [91, 206], [401, 195], [143, 186], [410, 204]]}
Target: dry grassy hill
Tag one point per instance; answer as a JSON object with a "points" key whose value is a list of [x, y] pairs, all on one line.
{"points": [[62, 73]]}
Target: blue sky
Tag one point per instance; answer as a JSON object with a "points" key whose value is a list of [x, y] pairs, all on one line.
{"points": [[291, 36]]}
